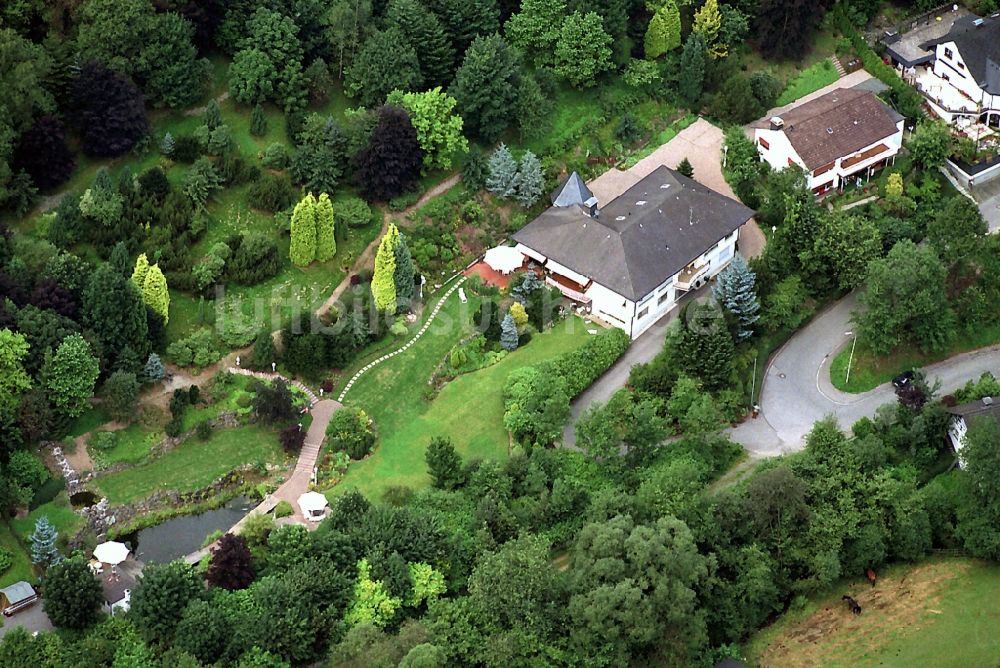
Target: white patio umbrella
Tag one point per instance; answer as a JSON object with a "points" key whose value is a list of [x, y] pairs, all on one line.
{"points": [[312, 504], [111, 552], [504, 259]]}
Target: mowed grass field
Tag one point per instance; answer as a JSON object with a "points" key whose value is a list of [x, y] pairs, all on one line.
{"points": [[469, 409], [942, 613], [193, 464]]}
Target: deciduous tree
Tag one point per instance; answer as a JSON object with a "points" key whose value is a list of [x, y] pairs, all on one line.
{"points": [[109, 111], [930, 143], [439, 128], [121, 392], [14, 381], [583, 50], [390, 165], [69, 376], [158, 602], [534, 29], [42, 152], [72, 594]]}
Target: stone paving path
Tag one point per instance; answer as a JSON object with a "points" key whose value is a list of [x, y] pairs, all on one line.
{"points": [[405, 346]]}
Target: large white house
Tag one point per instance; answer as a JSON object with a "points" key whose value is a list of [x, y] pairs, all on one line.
{"points": [[837, 138], [630, 260], [960, 73]]}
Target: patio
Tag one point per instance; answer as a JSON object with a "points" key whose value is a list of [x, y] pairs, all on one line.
{"points": [[942, 92]]}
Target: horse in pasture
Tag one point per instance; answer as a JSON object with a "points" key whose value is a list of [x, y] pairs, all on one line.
{"points": [[871, 577], [852, 604]]}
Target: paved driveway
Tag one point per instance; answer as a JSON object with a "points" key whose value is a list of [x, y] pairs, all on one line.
{"points": [[31, 619], [797, 390]]}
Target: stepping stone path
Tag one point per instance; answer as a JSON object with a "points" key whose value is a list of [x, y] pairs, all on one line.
{"points": [[406, 346]]}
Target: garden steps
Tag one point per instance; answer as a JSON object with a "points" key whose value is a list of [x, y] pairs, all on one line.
{"points": [[841, 72]]}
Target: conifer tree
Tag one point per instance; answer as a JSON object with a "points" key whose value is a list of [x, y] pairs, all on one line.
{"points": [[508, 333], [153, 371], [326, 241], [140, 271], [302, 250], [258, 121], [421, 27], [155, 293], [706, 348], [44, 552], [213, 116], [692, 75], [167, 145], [664, 31], [530, 180], [444, 464], [403, 273], [383, 282], [734, 289], [685, 168], [502, 180], [707, 22]]}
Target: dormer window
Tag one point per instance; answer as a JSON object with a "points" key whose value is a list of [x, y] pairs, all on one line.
{"points": [[948, 53]]}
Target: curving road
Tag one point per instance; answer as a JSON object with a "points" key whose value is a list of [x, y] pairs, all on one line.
{"points": [[797, 390]]}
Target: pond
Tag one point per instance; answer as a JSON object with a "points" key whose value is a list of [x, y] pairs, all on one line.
{"points": [[183, 535]]}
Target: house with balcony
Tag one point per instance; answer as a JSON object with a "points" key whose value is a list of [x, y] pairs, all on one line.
{"points": [[839, 138], [959, 71], [629, 261], [961, 415]]}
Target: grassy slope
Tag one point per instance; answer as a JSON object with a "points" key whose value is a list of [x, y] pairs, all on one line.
{"points": [[60, 514], [20, 568], [193, 464], [468, 409], [869, 371], [812, 79], [938, 613]]}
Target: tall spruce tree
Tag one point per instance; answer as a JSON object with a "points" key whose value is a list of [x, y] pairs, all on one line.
{"points": [[326, 240], [114, 310], [384, 280], [734, 289], [705, 349], [664, 31], [403, 274], [530, 180], [502, 179], [302, 249], [486, 87], [422, 28], [444, 464], [508, 333], [692, 76], [258, 121], [44, 551]]}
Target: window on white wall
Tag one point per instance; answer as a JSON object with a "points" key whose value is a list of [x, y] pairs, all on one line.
{"points": [[643, 313], [664, 297], [948, 53]]}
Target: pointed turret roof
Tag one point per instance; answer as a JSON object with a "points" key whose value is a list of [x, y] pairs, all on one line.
{"points": [[573, 191]]}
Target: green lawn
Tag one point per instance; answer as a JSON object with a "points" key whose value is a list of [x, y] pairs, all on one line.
{"points": [[868, 371], [469, 409], [60, 514], [940, 613], [89, 421], [822, 73], [20, 568], [194, 464]]}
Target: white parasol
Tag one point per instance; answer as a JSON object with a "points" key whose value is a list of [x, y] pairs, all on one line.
{"points": [[504, 259], [111, 552]]}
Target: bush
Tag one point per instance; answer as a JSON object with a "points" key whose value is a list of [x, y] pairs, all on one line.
{"points": [[46, 493], [292, 438], [103, 440], [196, 350], [283, 509], [351, 431], [6, 560], [255, 259], [204, 430], [174, 428], [275, 156], [187, 149], [271, 192], [353, 212], [404, 201]]}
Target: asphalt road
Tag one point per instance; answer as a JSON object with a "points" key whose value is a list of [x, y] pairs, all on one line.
{"points": [[797, 391], [31, 619]]}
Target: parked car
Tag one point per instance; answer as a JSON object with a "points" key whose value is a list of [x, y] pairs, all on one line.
{"points": [[903, 379]]}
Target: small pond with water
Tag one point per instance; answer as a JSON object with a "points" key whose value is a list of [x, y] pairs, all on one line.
{"points": [[183, 535]]}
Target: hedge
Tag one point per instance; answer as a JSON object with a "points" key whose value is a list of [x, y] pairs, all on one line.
{"points": [[908, 100], [581, 367]]}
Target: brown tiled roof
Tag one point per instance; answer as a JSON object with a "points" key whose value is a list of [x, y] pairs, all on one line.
{"points": [[838, 124]]}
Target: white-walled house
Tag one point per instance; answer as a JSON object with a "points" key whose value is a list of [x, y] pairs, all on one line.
{"points": [[843, 135], [962, 80], [987, 407], [630, 260]]}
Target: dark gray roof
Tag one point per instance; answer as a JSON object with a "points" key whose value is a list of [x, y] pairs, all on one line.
{"points": [[573, 192], [979, 46], [642, 237], [17, 592], [114, 585], [986, 406]]}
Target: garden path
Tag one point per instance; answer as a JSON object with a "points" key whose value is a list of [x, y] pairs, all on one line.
{"points": [[405, 346], [368, 255]]}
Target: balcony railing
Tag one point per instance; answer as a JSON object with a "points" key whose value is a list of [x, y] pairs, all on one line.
{"points": [[690, 275]]}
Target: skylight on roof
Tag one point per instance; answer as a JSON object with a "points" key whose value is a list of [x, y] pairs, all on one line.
{"points": [[619, 218], [641, 202]]}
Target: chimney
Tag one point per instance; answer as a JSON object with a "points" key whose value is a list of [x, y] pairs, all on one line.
{"points": [[777, 123]]}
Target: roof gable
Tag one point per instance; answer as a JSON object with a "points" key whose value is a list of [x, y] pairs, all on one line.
{"points": [[978, 42]]}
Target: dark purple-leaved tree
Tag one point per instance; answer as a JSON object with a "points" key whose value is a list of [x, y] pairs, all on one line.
{"points": [[232, 565], [109, 110], [390, 165], [42, 152]]}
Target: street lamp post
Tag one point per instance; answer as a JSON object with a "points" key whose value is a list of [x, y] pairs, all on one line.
{"points": [[847, 378]]}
